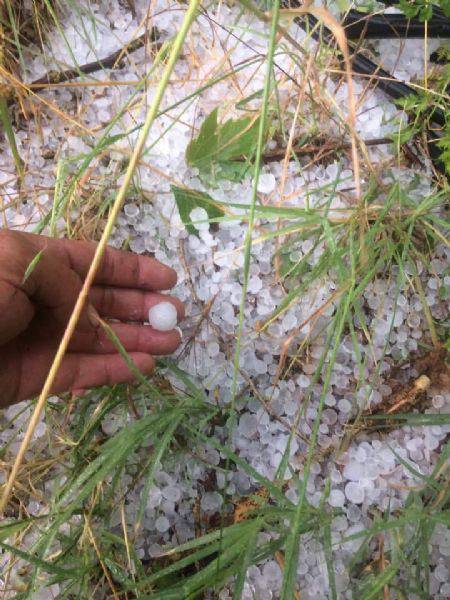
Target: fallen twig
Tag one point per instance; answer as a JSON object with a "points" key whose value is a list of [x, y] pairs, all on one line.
{"points": [[321, 146], [108, 62]]}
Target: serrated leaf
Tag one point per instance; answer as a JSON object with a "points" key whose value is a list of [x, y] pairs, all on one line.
{"points": [[9, 529], [203, 148], [187, 200], [223, 151], [237, 138]]}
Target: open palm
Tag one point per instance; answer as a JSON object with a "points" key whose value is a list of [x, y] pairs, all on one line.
{"points": [[40, 279]]}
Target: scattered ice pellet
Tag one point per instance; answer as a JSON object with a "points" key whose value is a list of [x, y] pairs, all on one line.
{"points": [[199, 218], [162, 524], [266, 183], [163, 316], [211, 501], [248, 425], [336, 498], [354, 492], [354, 470]]}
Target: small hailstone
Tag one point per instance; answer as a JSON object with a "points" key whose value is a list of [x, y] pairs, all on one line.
{"points": [[171, 492], [162, 524], [354, 471], [131, 210], [336, 498], [211, 501], [303, 381], [354, 492], [248, 425], [441, 573], [163, 316], [213, 349], [254, 285], [199, 218], [438, 401], [266, 183], [344, 405]]}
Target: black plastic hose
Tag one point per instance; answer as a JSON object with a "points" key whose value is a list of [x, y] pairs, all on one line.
{"points": [[393, 26], [382, 79], [362, 65]]}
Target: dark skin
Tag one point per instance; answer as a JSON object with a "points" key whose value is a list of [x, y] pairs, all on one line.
{"points": [[34, 312]]}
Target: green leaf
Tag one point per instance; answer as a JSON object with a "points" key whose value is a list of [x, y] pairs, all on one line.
{"points": [[203, 148], [237, 138], [9, 529], [32, 265], [223, 151], [187, 200], [375, 583]]}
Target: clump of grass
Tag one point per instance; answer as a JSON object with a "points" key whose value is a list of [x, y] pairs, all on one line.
{"points": [[21, 24]]}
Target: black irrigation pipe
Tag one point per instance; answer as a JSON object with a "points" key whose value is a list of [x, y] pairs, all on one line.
{"points": [[393, 87], [393, 26]]}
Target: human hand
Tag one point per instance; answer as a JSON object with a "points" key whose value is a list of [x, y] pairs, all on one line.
{"points": [[34, 311]]}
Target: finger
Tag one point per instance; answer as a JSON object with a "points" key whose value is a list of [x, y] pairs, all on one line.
{"points": [[24, 368], [83, 371], [134, 338], [16, 311], [117, 268], [129, 305]]}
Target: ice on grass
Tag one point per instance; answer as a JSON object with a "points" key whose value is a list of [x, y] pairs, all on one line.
{"points": [[163, 316]]}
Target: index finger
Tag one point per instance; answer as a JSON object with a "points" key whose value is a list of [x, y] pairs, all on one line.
{"points": [[117, 268]]}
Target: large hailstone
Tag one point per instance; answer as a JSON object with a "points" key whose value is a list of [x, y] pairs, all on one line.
{"points": [[163, 316]]}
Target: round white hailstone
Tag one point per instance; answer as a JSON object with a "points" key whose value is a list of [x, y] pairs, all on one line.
{"points": [[162, 524], [336, 498], [441, 573], [254, 285], [302, 568], [303, 381], [266, 183], [354, 470], [354, 492], [171, 492], [163, 316], [272, 571], [131, 210], [438, 401], [344, 405], [199, 218], [213, 349], [329, 416], [155, 550], [211, 501], [248, 425]]}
